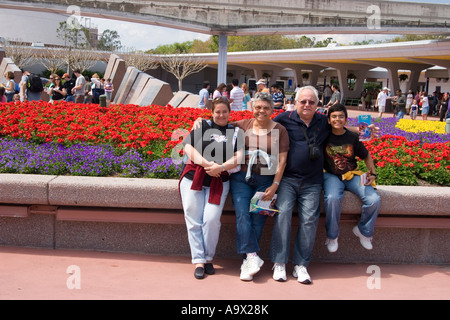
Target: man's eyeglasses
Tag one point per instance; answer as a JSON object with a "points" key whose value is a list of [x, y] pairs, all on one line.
{"points": [[305, 102]]}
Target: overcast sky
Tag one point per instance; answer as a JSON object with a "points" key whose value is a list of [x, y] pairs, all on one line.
{"points": [[132, 35], [145, 37]]}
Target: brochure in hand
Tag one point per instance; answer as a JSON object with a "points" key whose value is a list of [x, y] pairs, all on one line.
{"points": [[365, 121], [267, 208]]}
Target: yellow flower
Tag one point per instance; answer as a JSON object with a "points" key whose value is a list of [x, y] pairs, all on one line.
{"points": [[421, 126]]}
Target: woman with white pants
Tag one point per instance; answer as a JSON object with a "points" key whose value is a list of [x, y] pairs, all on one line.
{"points": [[212, 150]]}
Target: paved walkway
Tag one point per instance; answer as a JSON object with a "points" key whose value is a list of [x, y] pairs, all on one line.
{"points": [[49, 274], [354, 112]]}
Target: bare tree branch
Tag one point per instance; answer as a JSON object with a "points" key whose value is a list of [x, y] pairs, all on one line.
{"points": [[53, 59], [139, 60], [21, 53], [182, 66], [82, 59]]}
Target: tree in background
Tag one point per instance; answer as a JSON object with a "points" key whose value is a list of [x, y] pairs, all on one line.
{"points": [[109, 41], [74, 35], [140, 60], [82, 59], [53, 59], [21, 53], [182, 65]]}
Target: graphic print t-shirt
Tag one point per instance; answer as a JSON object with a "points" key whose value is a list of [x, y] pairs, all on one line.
{"points": [[341, 152], [214, 143]]}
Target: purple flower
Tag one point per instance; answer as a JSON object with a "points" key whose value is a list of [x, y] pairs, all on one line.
{"points": [[387, 127]]}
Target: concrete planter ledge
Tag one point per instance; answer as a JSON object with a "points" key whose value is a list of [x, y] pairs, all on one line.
{"points": [[114, 192], [145, 216], [163, 194]]}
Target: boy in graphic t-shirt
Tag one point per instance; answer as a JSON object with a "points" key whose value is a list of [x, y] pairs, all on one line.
{"points": [[341, 173]]}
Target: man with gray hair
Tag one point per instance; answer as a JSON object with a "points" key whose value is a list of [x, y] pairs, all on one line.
{"points": [[301, 183]]}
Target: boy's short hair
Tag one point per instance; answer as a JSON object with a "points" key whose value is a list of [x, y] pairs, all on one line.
{"points": [[337, 107]]}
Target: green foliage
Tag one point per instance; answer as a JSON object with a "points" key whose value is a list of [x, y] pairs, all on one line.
{"points": [[242, 43], [109, 41], [75, 36], [391, 175], [439, 176]]}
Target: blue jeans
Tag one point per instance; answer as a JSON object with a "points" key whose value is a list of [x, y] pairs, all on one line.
{"points": [[10, 96], [202, 220], [334, 191], [249, 226], [307, 196], [400, 115]]}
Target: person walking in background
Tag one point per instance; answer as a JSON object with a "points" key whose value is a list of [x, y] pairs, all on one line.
{"points": [[96, 88], [9, 86], [227, 92], [368, 100], [109, 89], [444, 106], [49, 85], [57, 91], [400, 105], [261, 85], [204, 95], [219, 90], [87, 90], [409, 101], [236, 96], [278, 97], [78, 90], [212, 149], [414, 110], [335, 97], [246, 103], [425, 105], [31, 86], [68, 85], [381, 101], [327, 92]]}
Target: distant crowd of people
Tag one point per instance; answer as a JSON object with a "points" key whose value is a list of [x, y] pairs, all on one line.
{"points": [[412, 104], [76, 88], [240, 97]]}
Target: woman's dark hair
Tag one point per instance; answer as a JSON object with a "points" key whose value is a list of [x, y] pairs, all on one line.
{"points": [[220, 100]]}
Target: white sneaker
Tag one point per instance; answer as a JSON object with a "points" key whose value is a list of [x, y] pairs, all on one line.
{"points": [[332, 245], [245, 276], [365, 241], [301, 274], [279, 272], [250, 267]]}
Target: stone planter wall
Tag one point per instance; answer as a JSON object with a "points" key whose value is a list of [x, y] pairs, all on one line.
{"points": [[145, 216]]}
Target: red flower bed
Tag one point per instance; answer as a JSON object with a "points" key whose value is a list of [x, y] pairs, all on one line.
{"points": [[400, 161], [154, 131]]}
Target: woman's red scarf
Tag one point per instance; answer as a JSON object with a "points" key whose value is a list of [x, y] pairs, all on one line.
{"points": [[216, 186]]}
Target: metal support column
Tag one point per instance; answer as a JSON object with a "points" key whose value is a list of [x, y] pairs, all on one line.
{"points": [[223, 51]]}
